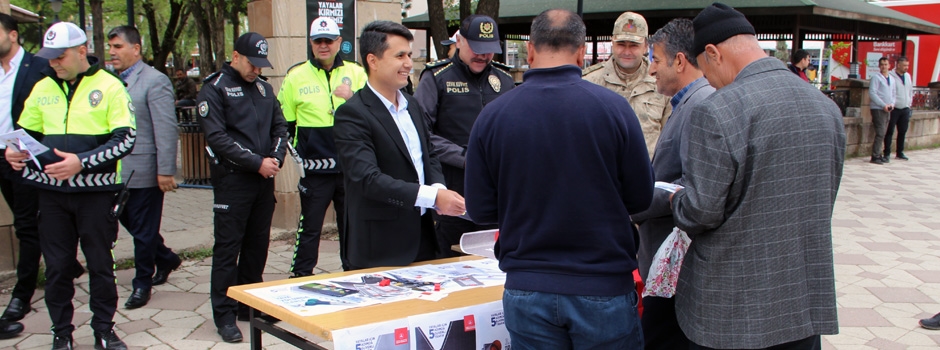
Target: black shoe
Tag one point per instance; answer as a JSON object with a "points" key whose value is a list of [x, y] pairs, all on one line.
{"points": [[886, 159], [230, 333], [138, 298], [901, 156], [108, 341], [62, 342], [16, 310], [931, 323], [10, 329], [162, 274], [877, 160], [243, 316]]}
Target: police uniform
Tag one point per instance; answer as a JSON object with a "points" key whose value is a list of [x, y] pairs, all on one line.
{"points": [[639, 88], [94, 119], [307, 100], [243, 125], [452, 97]]}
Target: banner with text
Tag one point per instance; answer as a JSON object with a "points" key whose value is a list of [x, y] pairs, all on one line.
{"points": [[344, 13]]}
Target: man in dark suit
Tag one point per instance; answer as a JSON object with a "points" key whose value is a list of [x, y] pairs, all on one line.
{"points": [[764, 162], [391, 176], [676, 77], [153, 162]]}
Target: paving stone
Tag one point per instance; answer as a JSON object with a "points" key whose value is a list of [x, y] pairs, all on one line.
{"points": [[928, 276], [177, 301], [861, 317], [137, 326], [900, 295]]}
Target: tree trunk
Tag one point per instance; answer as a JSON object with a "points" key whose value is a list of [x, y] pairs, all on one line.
{"points": [[489, 8], [179, 14], [464, 9], [97, 21], [204, 29], [216, 11], [438, 25], [237, 7]]}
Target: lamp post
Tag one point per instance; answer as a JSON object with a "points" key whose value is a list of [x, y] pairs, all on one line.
{"points": [[56, 7]]}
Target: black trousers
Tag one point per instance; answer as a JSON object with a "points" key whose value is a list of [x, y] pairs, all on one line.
{"points": [[660, 327], [141, 217], [24, 203], [316, 193], [449, 229], [811, 343], [427, 246], [68, 221], [244, 206], [900, 118]]}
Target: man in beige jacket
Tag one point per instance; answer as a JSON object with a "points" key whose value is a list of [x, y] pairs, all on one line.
{"points": [[627, 74]]}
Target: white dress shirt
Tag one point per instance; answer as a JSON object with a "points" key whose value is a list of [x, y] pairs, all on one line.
{"points": [[427, 195], [7, 79]]}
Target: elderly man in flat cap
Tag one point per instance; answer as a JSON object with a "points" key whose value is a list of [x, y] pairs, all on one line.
{"points": [[765, 157]]}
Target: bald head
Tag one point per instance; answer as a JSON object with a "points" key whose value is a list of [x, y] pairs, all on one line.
{"points": [[557, 30]]}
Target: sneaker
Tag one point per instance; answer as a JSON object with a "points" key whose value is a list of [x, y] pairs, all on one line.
{"points": [[108, 341], [230, 333], [877, 160], [886, 159], [931, 323], [62, 342], [901, 156]]}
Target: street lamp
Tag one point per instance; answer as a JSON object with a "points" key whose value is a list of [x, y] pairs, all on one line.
{"points": [[56, 7]]}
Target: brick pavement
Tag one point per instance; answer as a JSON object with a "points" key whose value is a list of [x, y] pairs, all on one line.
{"points": [[887, 253]]}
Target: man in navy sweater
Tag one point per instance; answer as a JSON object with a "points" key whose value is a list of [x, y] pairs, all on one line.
{"points": [[560, 163]]}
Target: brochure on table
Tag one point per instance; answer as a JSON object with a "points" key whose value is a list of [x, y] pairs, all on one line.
{"points": [[470, 328], [431, 282]]}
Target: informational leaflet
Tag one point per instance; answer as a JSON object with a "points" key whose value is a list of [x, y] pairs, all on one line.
{"points": [[470, 328], [431, 282], [21, 141]]}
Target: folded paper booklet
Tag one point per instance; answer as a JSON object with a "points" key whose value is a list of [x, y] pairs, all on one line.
{"points": [[21, 141], [671, 187], [479, 243]]}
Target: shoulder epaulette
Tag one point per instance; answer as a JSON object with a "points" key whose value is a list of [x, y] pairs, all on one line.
{"points": [[296, 65], [502, 67], [211, 76], [438, 63], [591, 69]]}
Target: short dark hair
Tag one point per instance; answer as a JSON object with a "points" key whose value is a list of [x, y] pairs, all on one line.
{"points": [[901, 59], [883, 58], [128, 33], [557, 30], [8, 22], [374, 38], [798, 56], [676, 36]]}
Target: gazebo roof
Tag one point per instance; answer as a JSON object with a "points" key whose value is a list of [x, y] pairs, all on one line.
{"points": [[775, 19]]}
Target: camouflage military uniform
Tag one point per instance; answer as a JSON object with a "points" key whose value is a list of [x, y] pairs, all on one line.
{"points": [[639, 88], [651, 107]]}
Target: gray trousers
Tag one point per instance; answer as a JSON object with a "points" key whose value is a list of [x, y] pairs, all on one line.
{"points": [[879, 122]]}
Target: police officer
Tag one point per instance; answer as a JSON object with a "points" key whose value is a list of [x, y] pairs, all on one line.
{"points": [[84, 115], [452, 92], [311, 91], [627, 74], [247, 135]]}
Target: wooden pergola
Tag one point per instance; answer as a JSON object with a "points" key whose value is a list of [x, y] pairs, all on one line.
{"points": [[793, 20]]}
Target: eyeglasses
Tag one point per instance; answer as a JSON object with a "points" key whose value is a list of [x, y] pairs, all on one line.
{"points": [[322, 41]]}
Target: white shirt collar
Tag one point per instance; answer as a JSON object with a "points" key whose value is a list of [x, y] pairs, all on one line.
{"points": [[402, 102], [17, 58]]}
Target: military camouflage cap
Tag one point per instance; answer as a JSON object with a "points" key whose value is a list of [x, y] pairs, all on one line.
{"points": [[631, 26]]}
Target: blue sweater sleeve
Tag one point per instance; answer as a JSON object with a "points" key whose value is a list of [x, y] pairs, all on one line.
{"points": [[480, 183]]}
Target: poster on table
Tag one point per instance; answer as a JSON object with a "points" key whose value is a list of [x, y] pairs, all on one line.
{"points": [[428, 282], [479, 327], [391, 335]]}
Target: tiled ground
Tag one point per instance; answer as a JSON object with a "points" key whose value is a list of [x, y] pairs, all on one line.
{"points": [[886, 235]]}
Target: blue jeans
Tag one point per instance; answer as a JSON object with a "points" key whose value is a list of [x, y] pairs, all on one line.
{"points": [[538, 320]]}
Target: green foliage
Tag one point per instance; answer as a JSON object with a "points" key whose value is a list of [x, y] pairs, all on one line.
{"points": [[452, 10]]}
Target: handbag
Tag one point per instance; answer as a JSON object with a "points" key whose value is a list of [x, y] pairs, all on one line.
{"points": [[664, 272]]}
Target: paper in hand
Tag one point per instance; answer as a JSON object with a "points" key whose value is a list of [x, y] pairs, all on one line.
{"points": [[20, 140], [670, 187]]}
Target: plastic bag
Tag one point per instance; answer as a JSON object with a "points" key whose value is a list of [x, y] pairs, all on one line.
{"points": [[664, 272]]}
